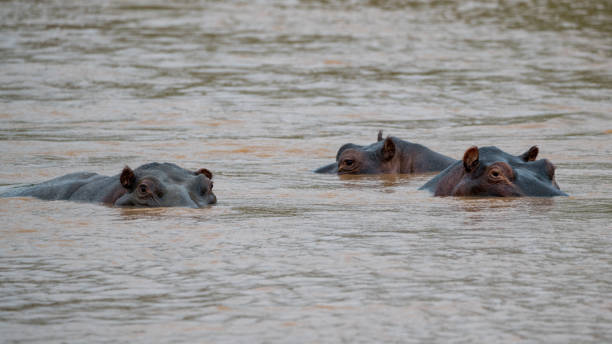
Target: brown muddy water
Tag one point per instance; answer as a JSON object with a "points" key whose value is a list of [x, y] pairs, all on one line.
{"points": [[262, 93]]}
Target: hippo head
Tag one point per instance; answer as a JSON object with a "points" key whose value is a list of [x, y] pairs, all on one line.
{"points": [[377, 158], [165, 185], [489, 171]]}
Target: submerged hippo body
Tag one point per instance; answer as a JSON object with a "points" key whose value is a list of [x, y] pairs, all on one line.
{"points": [[489, 171], [391, 155], [150, 185]]}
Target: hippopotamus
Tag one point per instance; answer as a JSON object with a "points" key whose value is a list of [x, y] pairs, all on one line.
{"points": [[150, 185], [489, 171], [386, 156]]}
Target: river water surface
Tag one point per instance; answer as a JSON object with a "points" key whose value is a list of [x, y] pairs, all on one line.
{"points": [[263, 92]]}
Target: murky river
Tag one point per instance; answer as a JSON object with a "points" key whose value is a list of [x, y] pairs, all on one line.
{"points": [[262, 93]]}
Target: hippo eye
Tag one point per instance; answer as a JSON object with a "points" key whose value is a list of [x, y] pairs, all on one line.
{"points": [[143, 188], [211, 186], [349, 162], [501, 172], [495, 173]]}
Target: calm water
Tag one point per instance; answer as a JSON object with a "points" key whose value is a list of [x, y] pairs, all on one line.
{"points": [[262, 93]]}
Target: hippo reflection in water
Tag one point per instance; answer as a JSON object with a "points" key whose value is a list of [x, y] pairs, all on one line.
{"points": [[489, 171], [150, 185], [391, 155]]}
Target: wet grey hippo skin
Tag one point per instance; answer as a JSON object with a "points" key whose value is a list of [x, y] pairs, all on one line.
{"points": [[489, 171], [150, 185], [391, 155]]}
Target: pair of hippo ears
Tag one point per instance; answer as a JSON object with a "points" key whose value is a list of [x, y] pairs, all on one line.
{"points": [[128, 177], [470, 157]]}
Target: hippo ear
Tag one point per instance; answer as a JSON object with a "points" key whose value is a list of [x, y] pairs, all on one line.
{"points": [[470, 159], [531, 154], [205, 172], [388, 149], [128, 178], [379, 136]]}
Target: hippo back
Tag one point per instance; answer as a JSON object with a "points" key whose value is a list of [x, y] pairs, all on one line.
{"points": [[79, 186]]}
